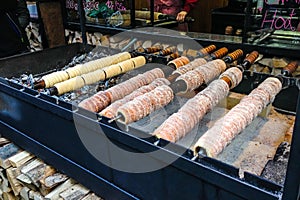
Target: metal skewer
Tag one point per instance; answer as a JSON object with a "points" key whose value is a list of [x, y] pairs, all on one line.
{"points": [[115, 118], [157, 142]]}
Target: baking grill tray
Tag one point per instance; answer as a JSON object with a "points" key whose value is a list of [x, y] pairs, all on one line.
{"points": [[44, 125]]}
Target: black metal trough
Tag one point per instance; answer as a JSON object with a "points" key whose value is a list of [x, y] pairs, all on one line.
{"points": [[45, 126]]}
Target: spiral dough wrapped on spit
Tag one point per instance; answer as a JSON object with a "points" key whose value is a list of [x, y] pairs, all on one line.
{"points": [[203, 74], [190, 66], [111, 110], [178, 62], [119, 91], [225, 129], [190, 114], [144, 104], [234, 75], [100, 74], [59, 76]]}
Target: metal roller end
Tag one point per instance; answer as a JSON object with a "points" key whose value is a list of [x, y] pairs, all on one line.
{"points": [[53, 91], [201, 152], [284, 72], [195, 157], [99, 118], [167, 71], [173, 77], [289, 69], [286, 81], [240, 68], [39, 85], [148, 58], [179, 87], [133, 54], [298, 83], [281, 78], [115, 118], [157, 142]]}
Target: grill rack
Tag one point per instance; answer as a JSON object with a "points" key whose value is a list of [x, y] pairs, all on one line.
{"points": [[21, 107]]}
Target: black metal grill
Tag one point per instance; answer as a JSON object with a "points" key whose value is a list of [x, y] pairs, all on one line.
{"points": [[44, 125]]}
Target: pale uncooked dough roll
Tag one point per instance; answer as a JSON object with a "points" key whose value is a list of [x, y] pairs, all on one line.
{"points": [[139, 61], [121, 57], [55, 77], [146, 14], [156, 15], [74, 71], [83, 69], [69, 85], [126, 65], [98, 75], [93, 77], [112, 70], [92, 66]]}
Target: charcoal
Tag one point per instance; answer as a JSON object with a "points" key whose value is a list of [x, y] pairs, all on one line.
{"points": [[275, 169]]}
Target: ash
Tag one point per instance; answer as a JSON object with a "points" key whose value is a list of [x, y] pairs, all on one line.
{"points": [[275, 169]]}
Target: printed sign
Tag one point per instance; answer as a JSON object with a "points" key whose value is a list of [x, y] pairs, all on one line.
{"points": [[274, 19], [98, 11]]}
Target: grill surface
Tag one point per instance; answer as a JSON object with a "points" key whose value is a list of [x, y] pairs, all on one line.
{"points": [[53, 137]]}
